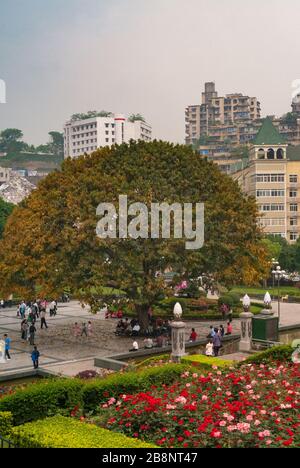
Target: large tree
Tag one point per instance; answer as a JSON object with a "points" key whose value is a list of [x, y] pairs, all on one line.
{"points": [[50, 240], [10, 140]]}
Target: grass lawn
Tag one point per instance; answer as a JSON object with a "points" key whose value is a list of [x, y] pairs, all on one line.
{"points": [[284, 290]]}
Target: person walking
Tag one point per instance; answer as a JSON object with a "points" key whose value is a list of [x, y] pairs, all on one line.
{"points": [[216, 343], [76, 330], [43, 318], [32, 331], [35, 357], [221, 331], [84, 330], [24, 329], [7, 341], [52, 308], [90, 329], [22, 310]]}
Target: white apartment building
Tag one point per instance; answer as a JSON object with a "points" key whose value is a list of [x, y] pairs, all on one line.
{"points": [[85, 136]]}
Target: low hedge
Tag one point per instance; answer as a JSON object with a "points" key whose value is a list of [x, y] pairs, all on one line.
{"points": [[6, 422], [206, 362], [42, 399], [97, 392], [282, 353], [61, 432]]}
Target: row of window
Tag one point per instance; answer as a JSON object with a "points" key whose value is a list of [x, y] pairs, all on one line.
{"points": [[276, 193], [82, 135], [292, 235], [275, 178], [270, 193], [277, 222], [277, 207]]}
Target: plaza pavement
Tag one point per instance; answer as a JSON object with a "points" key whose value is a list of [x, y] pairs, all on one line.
{"points": [[63, 353]]}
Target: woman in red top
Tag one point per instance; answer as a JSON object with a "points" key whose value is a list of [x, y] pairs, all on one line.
{"points": [[193, 336]]}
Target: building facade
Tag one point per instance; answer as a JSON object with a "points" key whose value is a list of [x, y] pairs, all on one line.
{"points": [[5, 173], [272, 177], [86, 136], [216, 114]]}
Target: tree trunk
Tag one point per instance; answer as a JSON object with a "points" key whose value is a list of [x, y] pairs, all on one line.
{"points": [[142, 314]]}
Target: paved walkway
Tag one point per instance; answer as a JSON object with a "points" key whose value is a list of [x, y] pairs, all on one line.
{"points": [[66, 354]]}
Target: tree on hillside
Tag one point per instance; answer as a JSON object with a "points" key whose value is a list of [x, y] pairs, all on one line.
{"points": [[5, 211], [56, 144], [10, 140], [63, 249]]}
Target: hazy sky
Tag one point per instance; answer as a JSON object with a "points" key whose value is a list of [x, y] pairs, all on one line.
{"points": [[59, 57]]}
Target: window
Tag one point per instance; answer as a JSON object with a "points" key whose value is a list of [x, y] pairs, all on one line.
{"points": [[272, 207], [271, 154], [269, 177], [293, 207], [107, 140], [293, 179], [293, 222], [293, 193], [107, 132], [270, 193], [293, 236]]}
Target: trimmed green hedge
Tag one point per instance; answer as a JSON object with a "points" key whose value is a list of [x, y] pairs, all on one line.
{"points": [[206, 362], [282, 353], [97, 392], [43, 399], [61, 432], [6, 422]]}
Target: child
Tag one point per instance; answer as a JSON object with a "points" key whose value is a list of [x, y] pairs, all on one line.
{"points": [[209, 349], [90, 329]]}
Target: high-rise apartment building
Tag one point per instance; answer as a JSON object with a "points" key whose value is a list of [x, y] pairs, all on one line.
{"points": [[85, 136], [218, 113]]}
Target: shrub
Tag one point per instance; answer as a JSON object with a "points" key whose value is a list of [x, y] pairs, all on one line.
{"points": [[95, 393], [41, 400], [231, 300], [6, 420], [206, 362], [282, 353], [61, 432]]}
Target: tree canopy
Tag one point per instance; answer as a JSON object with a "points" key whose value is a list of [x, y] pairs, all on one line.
{"points": [[5, 211], [50, 240]]}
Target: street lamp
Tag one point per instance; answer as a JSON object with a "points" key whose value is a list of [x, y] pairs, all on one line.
{"points": [[274, 265], [278, 274]]}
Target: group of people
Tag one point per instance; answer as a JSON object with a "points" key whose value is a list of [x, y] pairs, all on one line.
{"points": [[85, 329], [35, 354], [32, 311], [215, 339]]}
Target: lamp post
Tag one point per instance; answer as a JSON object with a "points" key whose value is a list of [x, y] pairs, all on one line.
{"points": [[277, 275], [274, 265], [246, 325], [178, 334]]}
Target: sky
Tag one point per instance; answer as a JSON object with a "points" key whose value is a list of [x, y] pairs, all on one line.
{"points": [[59, 57]]}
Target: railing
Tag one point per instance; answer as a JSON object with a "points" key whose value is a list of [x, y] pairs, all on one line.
{"points": [[265, 343], [5, 443]]}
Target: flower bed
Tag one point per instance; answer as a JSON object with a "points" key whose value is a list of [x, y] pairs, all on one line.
{"points": [[254, 406]]}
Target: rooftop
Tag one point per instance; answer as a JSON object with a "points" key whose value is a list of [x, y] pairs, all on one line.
{"points": [[268, 135]]}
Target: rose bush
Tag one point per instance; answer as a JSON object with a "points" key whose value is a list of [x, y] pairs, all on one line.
{"points": [[253, 406]]}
